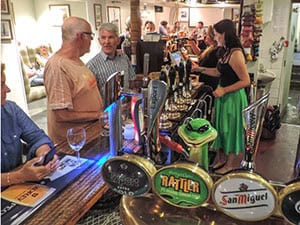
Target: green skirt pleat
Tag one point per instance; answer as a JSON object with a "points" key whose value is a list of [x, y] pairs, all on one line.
{"points": [[228, 121]]}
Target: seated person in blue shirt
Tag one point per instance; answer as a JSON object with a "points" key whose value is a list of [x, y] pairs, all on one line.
{"points": [[108, 60], [17, 128]]}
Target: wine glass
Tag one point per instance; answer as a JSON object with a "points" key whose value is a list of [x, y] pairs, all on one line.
{"points": [[76, 139]]}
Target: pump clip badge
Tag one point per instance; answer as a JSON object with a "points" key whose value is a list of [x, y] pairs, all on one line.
{"points": [[128, 174], [183, 185], [290, 202], [244, 196]]}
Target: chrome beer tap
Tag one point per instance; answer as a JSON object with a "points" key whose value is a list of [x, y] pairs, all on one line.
{"points": [[157, 95]]}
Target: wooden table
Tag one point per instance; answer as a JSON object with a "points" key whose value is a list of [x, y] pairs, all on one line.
{"points": [[68, 206]]}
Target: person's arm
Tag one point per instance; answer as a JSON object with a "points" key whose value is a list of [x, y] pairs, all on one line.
{"points": [[207, 70], [194, 47], [237, 63], [66, 115], [29, 172]]}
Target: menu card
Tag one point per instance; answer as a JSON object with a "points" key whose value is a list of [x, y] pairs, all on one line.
{"points": [[28, 194]]}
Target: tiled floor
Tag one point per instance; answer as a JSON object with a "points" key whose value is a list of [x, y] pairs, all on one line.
{"points": [[292, 115], [38, 112]]}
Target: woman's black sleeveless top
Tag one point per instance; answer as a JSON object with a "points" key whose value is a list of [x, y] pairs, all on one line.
{"points": [[228, 76]]}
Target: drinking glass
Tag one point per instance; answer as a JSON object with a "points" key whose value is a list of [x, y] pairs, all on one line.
{"points": [[76, 139]]}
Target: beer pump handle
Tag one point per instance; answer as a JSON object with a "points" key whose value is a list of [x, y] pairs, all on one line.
{"points": [[163, 76], [188, 69], [146, 69], [181, 73], [172, 76], [173, 145]]}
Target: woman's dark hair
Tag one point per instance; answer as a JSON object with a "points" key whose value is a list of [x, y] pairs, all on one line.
{"points": [[227, 27]]}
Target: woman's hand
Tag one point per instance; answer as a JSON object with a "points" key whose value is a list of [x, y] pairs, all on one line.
{"points": [[219, 92], [54, 163], [42, 151], [32, 171]]}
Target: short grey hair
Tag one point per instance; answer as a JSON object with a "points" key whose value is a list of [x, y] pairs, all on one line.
{"points": [[73, 25], [109, 27]]}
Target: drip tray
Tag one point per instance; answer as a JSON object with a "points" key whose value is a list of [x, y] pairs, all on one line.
{"points": [[151, 210]]}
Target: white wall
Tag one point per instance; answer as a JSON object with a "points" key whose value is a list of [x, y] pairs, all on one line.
{"points": [[297, 5], [14, 79], [273, 30]]}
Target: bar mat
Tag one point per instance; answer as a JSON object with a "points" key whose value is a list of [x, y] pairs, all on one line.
{"points": [[104, 212]]}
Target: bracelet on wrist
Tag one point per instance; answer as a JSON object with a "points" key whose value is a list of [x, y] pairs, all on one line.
{"points": [[8, 178]]}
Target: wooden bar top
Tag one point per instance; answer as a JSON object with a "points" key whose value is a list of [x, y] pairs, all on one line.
{"points": [[69, 205]]}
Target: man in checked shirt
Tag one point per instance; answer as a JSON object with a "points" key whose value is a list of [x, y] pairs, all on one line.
{"points": [[108, 60]]}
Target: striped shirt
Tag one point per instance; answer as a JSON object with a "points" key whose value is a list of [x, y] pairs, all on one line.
{"points": [[102, 66]]}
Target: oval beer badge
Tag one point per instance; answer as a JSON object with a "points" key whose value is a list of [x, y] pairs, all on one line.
{"points": [[183, 185], [290, 203], [244, 196], [128, 174]]}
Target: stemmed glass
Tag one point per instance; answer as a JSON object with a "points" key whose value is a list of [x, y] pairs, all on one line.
{"points": [[76, 139]]}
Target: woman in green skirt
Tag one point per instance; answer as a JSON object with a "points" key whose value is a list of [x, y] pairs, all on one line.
{"points": [[230, 96]]}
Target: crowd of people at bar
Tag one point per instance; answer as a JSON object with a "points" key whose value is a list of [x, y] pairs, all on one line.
{"points": [[75, 91]]}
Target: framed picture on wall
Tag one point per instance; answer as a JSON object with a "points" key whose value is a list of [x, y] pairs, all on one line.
{"points": [[6, 32], [4, 7], [58, 13], [98, 15], [114, 15], [183, 14]]}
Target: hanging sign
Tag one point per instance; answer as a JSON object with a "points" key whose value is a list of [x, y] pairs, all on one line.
{"points": [[128, 174], [183, 185], [244, 196], [290, 202]]}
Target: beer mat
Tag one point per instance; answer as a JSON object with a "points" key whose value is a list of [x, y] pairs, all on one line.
{"points": [[13, 213]]}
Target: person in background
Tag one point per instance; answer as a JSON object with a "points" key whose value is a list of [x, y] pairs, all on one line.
{"points": [[125, 39], [199, 34], [36, 76], [17, 128], [149, 27], [42, 56], [163, 28], [108, 60], [230, 96], [73, 97], [209, 57], [176, 28], [126, 34]]}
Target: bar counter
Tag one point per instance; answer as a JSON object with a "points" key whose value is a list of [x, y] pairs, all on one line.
{"points": [[69, 205]]}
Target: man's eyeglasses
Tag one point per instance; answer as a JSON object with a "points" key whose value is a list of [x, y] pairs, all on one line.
{"points": [[89, 33]]}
